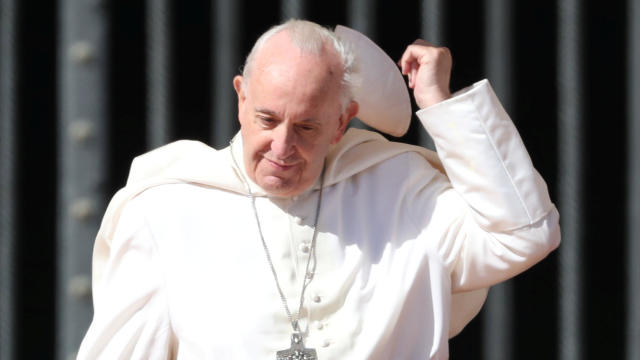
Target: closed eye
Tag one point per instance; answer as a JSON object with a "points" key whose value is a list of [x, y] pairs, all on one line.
{"points": [[306, 127], [266, 121]]}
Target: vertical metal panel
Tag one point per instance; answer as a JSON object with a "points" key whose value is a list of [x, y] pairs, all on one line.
{"points": [[361, 16], [82, 138], [226, 37], [293, 9], [433, 20], [633, 183], [499, 49], [498, 324], [8, 161], [570, 116], [432, 24], [159, 73]]}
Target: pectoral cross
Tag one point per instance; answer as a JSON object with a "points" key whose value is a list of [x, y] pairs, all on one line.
{"points": [[297, 351]]}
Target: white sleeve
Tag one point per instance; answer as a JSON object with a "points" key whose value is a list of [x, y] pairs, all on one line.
{"points": [[131, 318], [500, 218]]}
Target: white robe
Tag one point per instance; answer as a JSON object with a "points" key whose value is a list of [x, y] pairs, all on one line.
{"points": [[180, 272]]}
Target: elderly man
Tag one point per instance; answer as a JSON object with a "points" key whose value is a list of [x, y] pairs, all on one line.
{"points": [[303, 241]]}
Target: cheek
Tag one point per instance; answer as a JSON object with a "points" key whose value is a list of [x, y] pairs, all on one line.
{"points": [[254, 140], [315, 154]]}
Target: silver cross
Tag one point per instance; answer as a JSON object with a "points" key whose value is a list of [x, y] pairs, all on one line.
{"points": [[297, 351]]}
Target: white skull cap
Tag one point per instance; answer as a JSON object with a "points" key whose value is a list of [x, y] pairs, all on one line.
{"points": [[381, 91]]}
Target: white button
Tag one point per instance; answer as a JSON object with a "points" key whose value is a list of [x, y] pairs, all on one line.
{"points": [[317, 299], [304, 247], [326, 343], [319, 325], [298, 220]]}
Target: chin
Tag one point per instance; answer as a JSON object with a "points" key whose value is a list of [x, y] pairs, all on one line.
{"points": [[278, 187], [282, 192]]}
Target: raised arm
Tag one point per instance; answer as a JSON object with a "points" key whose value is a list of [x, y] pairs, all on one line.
{"points": [[494, 217]]}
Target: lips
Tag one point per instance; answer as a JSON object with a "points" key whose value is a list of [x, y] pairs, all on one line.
{"points": [[280, 166]]}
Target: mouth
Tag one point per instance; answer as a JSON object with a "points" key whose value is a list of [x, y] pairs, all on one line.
{"points": [[279, 165]]}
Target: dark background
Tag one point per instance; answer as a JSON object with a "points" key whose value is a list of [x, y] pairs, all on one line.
{"points": [[534, 109]]}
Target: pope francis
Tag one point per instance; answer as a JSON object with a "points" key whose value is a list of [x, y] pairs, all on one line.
{"points": [[305, 240]]}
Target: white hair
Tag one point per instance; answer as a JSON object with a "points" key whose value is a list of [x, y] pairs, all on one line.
{"points": [[310, 38]]}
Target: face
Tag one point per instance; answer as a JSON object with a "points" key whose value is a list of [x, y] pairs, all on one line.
{"points": [[289, 115]]}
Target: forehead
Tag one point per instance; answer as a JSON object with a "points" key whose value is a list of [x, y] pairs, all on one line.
{"points": [[282, 70]]}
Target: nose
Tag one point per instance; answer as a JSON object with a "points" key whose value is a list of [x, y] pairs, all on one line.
{"points": [[283, 142]]}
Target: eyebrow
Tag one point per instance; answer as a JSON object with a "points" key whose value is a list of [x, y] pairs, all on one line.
{"points": [[275, 114], [266, 111]]}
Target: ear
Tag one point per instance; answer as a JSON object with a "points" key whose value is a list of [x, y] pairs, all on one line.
{"points": [[237, 84], [349, 113]]}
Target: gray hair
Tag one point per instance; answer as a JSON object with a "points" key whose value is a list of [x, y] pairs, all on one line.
{"points": [[310, 38]]}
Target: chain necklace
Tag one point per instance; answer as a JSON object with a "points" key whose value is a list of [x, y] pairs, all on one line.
{"points": [[297, 351]]}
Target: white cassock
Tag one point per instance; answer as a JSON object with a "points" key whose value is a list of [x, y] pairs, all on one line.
{"points": [[180, 271]]}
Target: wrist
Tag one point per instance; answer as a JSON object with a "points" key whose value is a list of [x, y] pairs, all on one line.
{"points": [[432, 97]]}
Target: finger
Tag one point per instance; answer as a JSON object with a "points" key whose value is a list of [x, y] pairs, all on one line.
{"points": [[413, 53], [413, 74], [418, 49], [422, 42], [404, 64], [405, 60]]}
